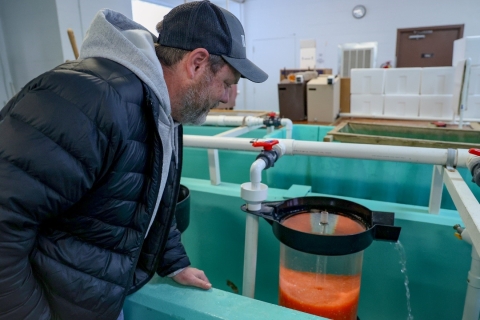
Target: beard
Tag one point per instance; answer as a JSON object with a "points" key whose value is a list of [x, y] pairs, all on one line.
{"points": [[196, 102]]}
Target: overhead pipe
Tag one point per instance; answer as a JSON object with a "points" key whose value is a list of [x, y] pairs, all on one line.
{"points": [[226, 121], [452, 157]]}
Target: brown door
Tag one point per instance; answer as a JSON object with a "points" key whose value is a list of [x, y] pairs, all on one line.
{"points": [[427, 46]]}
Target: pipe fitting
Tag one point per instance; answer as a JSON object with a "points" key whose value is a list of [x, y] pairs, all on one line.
{"points": [[269, 156]]}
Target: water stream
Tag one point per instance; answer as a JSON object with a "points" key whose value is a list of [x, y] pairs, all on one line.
{"points": [[403, 263]]}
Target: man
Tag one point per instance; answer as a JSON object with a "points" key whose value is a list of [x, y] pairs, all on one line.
{"points": [[90, 162]]}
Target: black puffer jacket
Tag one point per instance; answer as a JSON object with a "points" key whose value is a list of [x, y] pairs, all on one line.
{"points": [[80, 169]]}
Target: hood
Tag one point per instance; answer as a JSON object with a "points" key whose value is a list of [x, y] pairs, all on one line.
{"points": [[114, 36]]}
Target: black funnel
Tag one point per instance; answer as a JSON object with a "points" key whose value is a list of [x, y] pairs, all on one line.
{"points": [[353, 230]]}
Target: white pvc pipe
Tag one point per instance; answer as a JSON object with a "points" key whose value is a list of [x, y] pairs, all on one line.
{"points": [[250, 256], [287, 123], [245, 121], [224, 121], [466, 204], [471, 309], [213, 160], [253, 121], [338, 150], [251, 235], [463, 98], [256, 173], [436, 190]]}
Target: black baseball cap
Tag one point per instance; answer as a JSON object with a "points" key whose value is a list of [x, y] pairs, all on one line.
{"points": [[201, 24]]}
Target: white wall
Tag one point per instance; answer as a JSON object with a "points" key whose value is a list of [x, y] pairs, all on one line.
{"points": [[78, 14], [6, 91], [35, 34], [37, 38], [331, 23], [31, 38]]}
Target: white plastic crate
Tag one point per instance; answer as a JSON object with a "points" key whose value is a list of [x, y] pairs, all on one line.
{"points": [[366, 104], [402, 81], [436, 106], [367, 81], [437, 80], [401, 106], [473, 108], [468, 47], [474, 81]]}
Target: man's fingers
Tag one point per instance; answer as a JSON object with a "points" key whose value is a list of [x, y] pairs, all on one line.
{"points": [[193, 277]]}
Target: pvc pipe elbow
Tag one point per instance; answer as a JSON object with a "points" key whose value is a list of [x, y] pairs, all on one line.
{"points": [[288, 125], [256, 171]]}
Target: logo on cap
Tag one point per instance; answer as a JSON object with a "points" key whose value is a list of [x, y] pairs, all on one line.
{"points": [[243, 41]]}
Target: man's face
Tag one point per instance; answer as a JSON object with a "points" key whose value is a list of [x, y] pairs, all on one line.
{"points": [[206, 93]]}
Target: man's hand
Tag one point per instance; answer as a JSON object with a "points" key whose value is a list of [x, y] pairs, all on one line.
{"points": [[193, 277]]}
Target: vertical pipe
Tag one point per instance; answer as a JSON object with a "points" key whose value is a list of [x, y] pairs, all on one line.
{"points": [[436, 190], [288, 126], [471, 309], [464, 94], [213, 160], [251, 236], [214, 167], [250, 256]]}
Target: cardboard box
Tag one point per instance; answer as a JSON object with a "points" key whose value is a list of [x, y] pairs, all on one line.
{"points": [[285, 72]]}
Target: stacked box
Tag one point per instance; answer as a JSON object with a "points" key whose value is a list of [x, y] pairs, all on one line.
{"points": [[473, 98], [366, 88], [436, 92], [436, 106], [402, 106], [468, 47], [406, 92]]}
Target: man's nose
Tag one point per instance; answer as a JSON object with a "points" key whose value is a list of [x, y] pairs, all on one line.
{"points": [[225, 96]]}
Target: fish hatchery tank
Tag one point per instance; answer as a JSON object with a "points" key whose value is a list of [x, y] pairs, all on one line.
{"points": [[423, 277]]}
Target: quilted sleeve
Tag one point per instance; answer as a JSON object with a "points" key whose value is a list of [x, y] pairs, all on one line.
{"points": [[51, 151]]}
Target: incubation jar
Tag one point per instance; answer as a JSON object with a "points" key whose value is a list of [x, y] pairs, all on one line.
{"points": [[322, 241]]}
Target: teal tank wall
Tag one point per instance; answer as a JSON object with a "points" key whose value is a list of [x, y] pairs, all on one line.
{"points": [[437, 263]]}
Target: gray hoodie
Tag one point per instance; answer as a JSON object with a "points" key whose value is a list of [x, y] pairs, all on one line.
{"points": [[113, 36]]}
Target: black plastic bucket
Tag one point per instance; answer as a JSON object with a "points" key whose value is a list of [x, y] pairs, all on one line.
{"points": [[182, 212]]}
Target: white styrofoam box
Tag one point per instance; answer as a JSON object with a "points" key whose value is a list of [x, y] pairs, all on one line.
{"points": [[367, 81], [436, 106], [402, 80], [367, 104], [437, 80], [401, 105], [468, 47], [473, 107], [474, 81]]}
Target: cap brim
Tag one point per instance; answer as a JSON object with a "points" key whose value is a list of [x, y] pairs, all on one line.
{"points": [[247, 69]]}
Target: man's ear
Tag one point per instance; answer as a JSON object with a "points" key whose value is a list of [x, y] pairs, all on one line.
{"points": [[197, 62]]}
